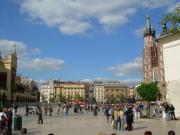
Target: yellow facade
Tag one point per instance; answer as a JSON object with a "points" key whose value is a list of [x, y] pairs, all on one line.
{"points": [[70, 89], [9, 81]]}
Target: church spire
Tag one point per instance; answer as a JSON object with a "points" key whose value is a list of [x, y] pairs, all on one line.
{"points": [[149, 30], [14, 48]]}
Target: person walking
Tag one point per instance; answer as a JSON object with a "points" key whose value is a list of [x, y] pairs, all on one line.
{"points": [[129, 118], [45, 110], [107, 113]]}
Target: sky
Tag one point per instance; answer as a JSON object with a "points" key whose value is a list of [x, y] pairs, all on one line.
{"points": [[79, 39]]}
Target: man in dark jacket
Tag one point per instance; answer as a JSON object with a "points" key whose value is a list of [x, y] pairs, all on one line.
{"points": [[129, 118], [9, 116], [39, 113], [172, 113]]}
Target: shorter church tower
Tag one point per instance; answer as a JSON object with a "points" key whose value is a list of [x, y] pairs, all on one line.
{"points": [[11, 66]]}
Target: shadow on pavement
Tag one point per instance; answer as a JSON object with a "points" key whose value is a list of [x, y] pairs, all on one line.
{"points": [[138, 128]]}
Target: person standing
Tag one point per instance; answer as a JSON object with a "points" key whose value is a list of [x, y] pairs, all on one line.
{"points": [[50, 110], [39, 113], [95, 110], [166, 109], [58, 109], [172, 113], [129, 118], [9, 116], [27, 110]]}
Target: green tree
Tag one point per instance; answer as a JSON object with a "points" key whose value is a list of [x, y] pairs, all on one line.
{"points": [[61, 98], [112, 100], [77, 97], [148, 92], [122, 98], [172, 18]]}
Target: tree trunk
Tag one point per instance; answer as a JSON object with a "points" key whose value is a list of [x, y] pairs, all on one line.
{"points": [[149, 111]]}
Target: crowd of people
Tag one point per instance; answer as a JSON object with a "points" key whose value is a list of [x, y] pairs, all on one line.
{"points": [[6, 118], [120, 116]]}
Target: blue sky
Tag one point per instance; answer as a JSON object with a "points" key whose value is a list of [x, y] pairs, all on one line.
{"points": [[79, 39]]}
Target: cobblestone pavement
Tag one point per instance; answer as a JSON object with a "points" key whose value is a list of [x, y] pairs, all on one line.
{"points": [[87, 124]]}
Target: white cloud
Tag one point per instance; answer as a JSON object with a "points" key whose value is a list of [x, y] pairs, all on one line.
{"points": [[25, 61], [157, 3], [170, 9], [42, 64], [129, 70], [7, 45], [75, 16], [36, 51]]}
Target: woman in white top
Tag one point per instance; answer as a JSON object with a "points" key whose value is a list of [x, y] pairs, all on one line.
{"points": [[2, 113]]}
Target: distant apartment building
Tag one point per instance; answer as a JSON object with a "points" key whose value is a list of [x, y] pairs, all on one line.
{"points": [[99, 92], [115, 89], [47, 90], [58, 90], [75, 88], [70, 89]]}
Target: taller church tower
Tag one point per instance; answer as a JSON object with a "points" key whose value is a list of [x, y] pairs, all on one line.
{"points": [[150, 53]]}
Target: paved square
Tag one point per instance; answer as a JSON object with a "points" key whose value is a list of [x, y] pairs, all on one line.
{"points": [[87, 124]]}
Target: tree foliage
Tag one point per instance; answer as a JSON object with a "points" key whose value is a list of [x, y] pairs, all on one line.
{"points": [[78, 97], [61, 98], [148, 91], [112, 100], [122, 98], [173, 19]]}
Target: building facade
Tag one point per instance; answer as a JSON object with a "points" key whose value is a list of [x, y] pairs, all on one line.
{"points": [[115, 89], [99, 92], [69, 90], [8, 66], [11, 87], [75, 88], [46, 91], [170, 46]]}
